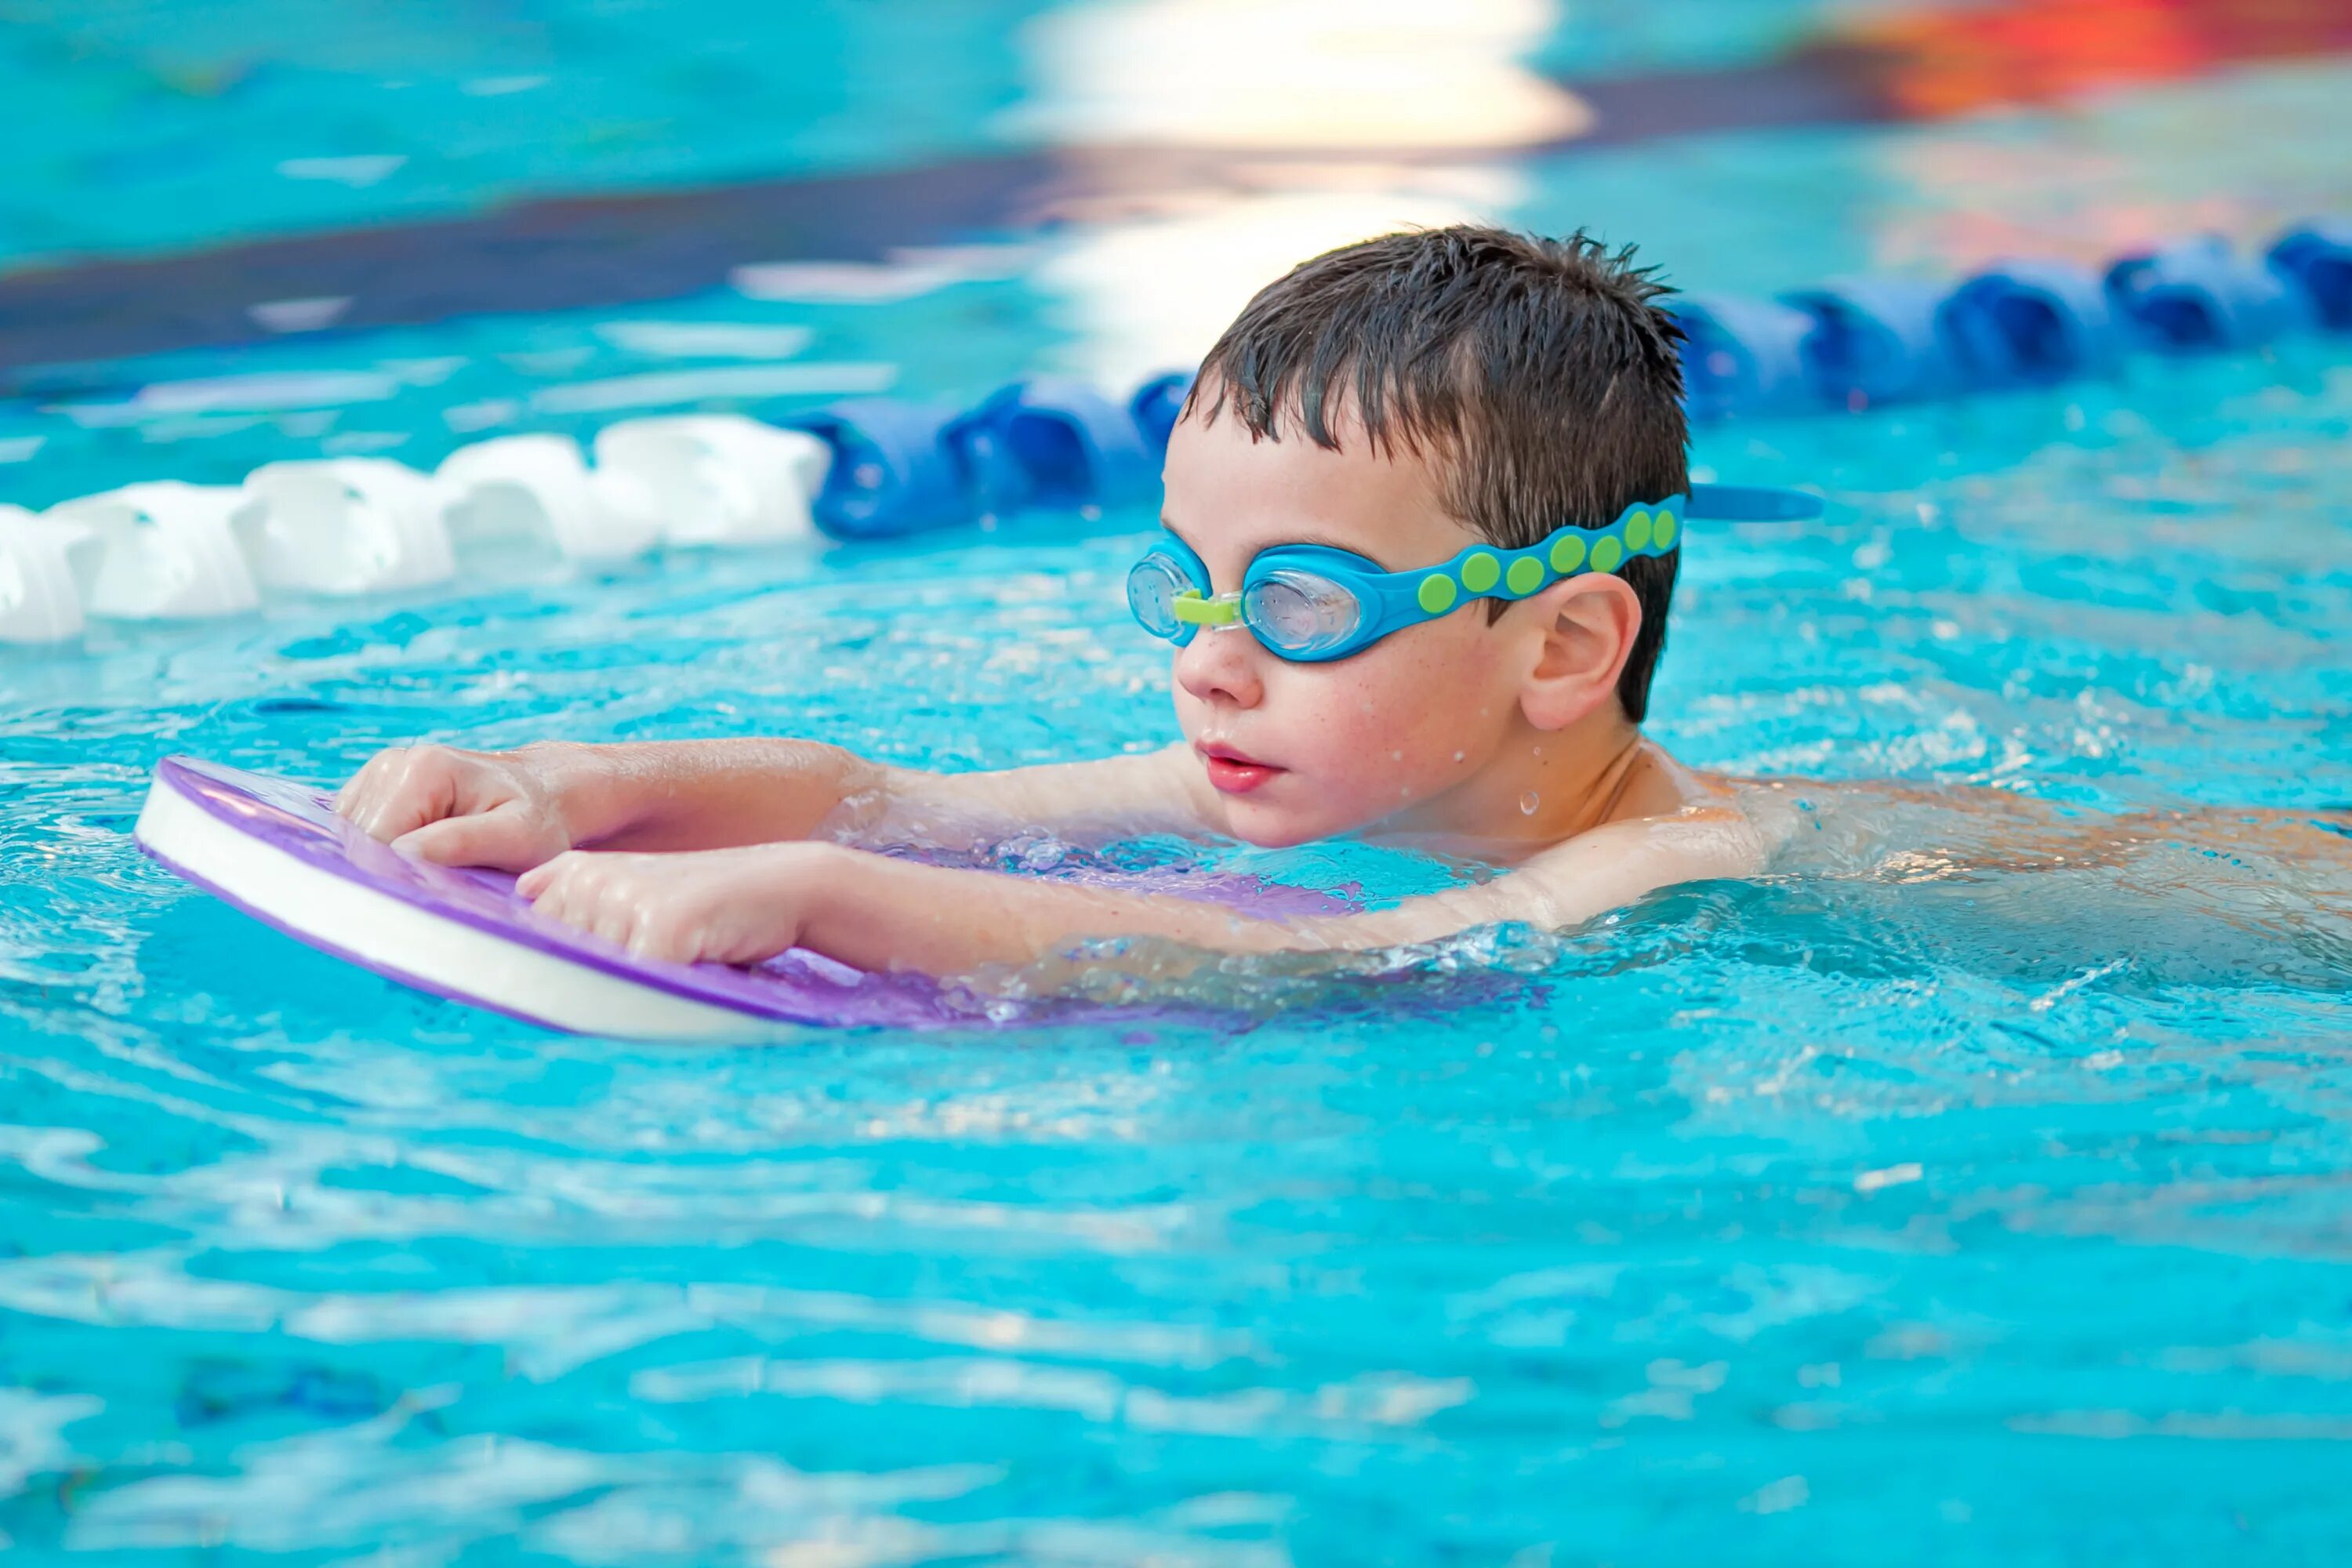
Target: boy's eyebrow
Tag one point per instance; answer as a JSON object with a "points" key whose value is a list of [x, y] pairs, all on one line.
{"points": [[1305, 536]]}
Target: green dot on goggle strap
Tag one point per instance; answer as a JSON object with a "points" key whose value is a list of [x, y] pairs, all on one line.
{"points": [[1481, 571], [1526, 575], [1664, 535], [1606, 554], [1567, 554], [1437, 593], [1637, 531]]}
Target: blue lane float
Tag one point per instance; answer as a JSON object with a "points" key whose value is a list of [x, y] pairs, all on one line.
{"points": [[2196, 296], [1873, 341], [2316, 260], [1156, 406], [892, 474], [901, 469], [1742, 357], [1052, 443], [2031, 324], [1860, 342]]}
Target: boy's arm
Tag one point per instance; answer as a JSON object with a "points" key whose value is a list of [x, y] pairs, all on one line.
{"points": [[881, 913], [1094, 801], [517, 809], [1591, 874]]}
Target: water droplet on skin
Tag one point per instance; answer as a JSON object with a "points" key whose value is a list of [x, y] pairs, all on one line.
{"points": [[1529, 802], [1459, 755], [1538, 751], [1396, 756]]}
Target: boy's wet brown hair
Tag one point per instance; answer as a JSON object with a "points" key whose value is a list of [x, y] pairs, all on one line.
{"points": [[1540, 376]]}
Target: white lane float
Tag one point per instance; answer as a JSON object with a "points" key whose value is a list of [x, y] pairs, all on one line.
{"points": [[539, 491], [39, 601], [715, 479], [344, 526], [160, 550]]}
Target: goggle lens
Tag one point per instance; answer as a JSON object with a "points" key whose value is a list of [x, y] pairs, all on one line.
{"points": [[1298, 615], [1151, 590]]}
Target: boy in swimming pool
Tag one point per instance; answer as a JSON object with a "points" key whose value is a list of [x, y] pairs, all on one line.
{"points": [[1423, 512]]}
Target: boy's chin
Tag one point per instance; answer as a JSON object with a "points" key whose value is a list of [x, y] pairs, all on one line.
{"points": [[1265, 825]]}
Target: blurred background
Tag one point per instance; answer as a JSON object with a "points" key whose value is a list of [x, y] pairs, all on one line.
{"points": [[231, 232]]}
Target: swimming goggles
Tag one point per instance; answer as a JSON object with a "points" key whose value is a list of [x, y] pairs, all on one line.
{"points": [[1310, 604]]}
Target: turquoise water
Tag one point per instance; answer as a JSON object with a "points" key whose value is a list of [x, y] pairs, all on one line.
{"points": [[1886, 1213]]}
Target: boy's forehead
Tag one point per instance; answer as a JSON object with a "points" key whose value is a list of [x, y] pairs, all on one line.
{"points": [[1229, 487]]}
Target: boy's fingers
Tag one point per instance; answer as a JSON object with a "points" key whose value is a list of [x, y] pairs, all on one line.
{"points": [[400, 791], [654, 931], [550, 872], [669, 946], [503, 839], [555, 903], [419, 795], [613, 922], [361, 787]]}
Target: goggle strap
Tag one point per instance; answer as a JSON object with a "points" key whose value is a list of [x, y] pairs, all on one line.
{"points": [[1493, 573]]}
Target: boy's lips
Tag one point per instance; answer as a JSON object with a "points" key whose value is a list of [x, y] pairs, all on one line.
{"points": [[1233, 772]]}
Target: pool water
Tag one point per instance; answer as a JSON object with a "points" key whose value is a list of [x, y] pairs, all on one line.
{"points": [[1893, 1208]]}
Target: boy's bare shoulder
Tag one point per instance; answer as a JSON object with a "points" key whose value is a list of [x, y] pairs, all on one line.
{"points": [[1677, 825], [1724, 835], [1684, 814]]}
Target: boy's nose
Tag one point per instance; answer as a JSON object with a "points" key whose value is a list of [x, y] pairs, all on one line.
{"points": [[1221, 664]]}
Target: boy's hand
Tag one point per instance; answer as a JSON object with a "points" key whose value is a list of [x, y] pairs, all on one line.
{"points": [[723, 905], [461, 808]]}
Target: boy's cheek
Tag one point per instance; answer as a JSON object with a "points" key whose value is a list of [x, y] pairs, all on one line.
{"points": [[1424, 701], [1371, 744]]}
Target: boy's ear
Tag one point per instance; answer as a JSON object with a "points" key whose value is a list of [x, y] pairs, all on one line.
{"points": [[1585, 628]]}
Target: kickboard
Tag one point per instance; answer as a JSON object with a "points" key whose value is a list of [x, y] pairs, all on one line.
{"points": [[276, 850]]}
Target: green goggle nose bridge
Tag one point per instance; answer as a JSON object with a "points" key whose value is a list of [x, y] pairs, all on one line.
{"points": [[1193, 608]]}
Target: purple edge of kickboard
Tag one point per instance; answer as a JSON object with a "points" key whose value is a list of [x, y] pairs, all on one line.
{"points": [[859, 999], [202, 784]]}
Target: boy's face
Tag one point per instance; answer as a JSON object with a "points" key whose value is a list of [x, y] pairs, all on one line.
{"points": [[1405, 729]]}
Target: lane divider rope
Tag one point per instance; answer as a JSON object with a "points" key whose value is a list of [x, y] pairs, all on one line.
{"points": [[879, 468]]}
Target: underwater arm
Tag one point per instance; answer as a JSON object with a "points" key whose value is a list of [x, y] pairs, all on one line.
{"points": [[878, 912], [875, 911]]}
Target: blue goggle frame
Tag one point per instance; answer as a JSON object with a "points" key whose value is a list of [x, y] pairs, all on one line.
{"points": [[1311, 603]]}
